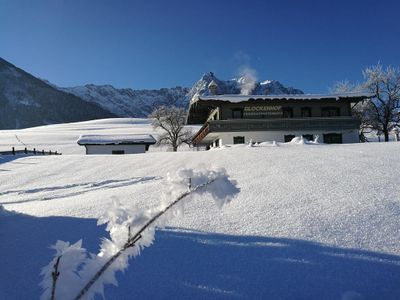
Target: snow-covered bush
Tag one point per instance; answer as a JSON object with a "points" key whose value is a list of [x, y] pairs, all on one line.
{"points": [[75, 274]]}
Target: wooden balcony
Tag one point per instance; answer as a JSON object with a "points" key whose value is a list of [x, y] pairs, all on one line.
{"points": [[280, 124], [334, 123]]}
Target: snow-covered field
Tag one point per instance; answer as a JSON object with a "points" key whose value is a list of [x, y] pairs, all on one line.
{"points": [[310, 221], [63, 137]]}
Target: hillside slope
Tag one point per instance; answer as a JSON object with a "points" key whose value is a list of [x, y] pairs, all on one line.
{"points": [[26, 101], [310, 221]]}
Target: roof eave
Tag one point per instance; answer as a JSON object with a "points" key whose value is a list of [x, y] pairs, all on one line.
{"points": [[242, 98], [108, 144]]}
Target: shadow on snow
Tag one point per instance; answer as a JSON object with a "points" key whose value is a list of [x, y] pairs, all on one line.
{"points": [[197, 265], [10, 158]]}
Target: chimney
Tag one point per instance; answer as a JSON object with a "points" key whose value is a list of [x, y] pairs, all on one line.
{"points": [[213, 88]]}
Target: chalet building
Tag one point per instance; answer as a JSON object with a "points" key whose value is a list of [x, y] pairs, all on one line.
{"points": [[237, 119], [116, 144]]}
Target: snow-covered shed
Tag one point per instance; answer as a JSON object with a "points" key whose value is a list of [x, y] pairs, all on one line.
{"points": [[116, 144]]}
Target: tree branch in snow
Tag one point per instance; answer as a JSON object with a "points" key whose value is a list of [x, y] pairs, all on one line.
{"points": [[98, 270], [62, 270], [132, 240], [54, 276]]}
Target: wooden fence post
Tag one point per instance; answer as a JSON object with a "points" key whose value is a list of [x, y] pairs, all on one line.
{"points": [[13, 150], [49, 152], [34, 151], [42, 152], [26, 150]]}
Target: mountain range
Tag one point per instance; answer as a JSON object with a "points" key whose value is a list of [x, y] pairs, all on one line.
{"points": [[128, 102], [27, 101]]}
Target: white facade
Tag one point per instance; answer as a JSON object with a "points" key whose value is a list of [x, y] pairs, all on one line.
{"points": [[116, 144], [238, 119], [115, 149], [224, 138]]}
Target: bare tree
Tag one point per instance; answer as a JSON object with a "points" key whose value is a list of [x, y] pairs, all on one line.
{"points": [[358, 109], [345, 86], [382, 112], [171, 119]]}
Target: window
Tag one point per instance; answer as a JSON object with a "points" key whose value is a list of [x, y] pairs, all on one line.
{"points": [[289, 138], [333, 138], [308, 137], [306, 112], [238, 139], [237, 113], [118, 152], [287, 112], [330, 112]]}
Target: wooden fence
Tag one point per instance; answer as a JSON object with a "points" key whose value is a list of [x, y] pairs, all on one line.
{"points": [[27, 151]]}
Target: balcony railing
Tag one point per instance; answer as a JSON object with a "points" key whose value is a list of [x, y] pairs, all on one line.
{"points": [[334, 123], [325, 124]]}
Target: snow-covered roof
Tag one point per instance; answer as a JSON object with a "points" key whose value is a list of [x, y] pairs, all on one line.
{"points": [[234, 98], [110, 139]]}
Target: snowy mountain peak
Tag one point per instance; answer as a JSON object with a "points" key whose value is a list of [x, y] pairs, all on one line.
{"points": [[266, 82], [208, 77], [209, 84]]}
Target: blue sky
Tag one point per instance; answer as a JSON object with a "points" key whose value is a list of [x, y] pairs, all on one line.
{"points": [[151, 44]]}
